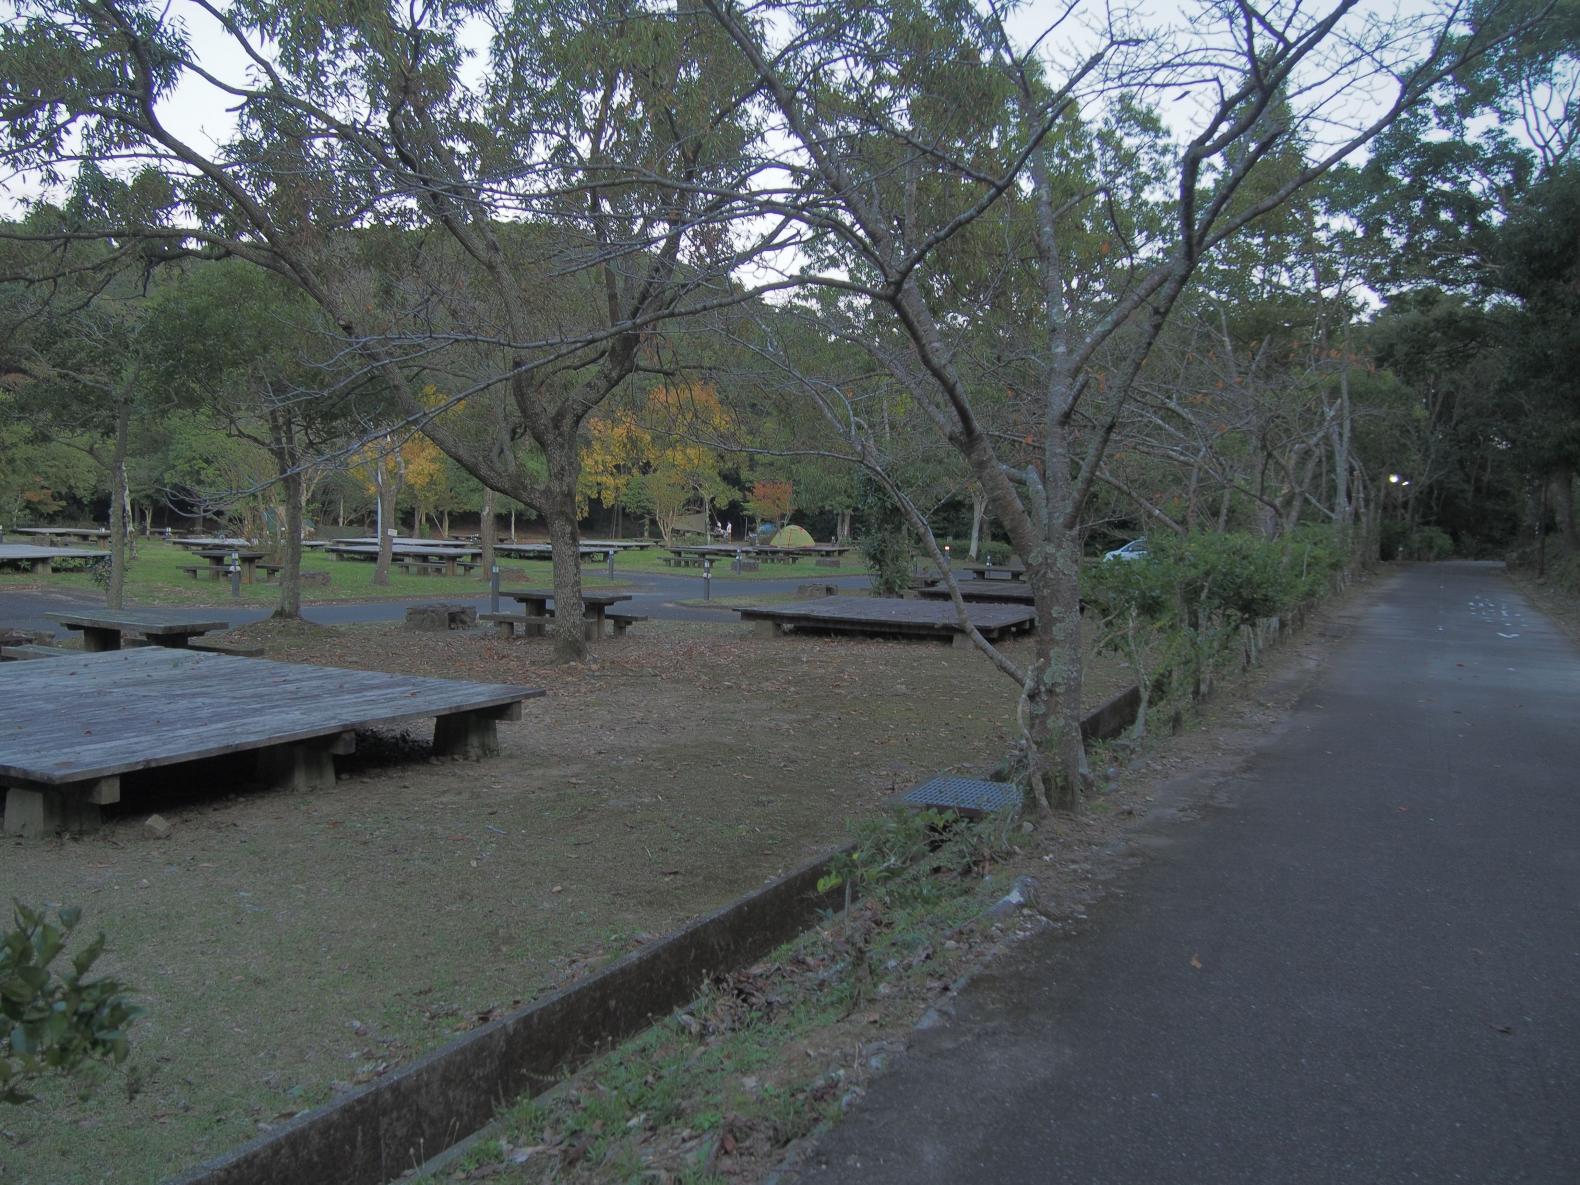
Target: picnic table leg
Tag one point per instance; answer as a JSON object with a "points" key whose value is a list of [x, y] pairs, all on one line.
{"points": [[537, 608], [41, 567], [95, 640], [471, 735], [767, 628]]}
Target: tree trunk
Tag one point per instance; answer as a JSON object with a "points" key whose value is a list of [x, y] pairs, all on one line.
{"points": [[488, 529], [115, 598], [1051, 696], [1563, 496], [570, 642], [386, 492], [978, 513], [290, 606]]}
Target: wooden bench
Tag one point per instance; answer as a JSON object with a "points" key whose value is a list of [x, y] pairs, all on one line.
{"points": [[269, 570], [466, 566], [421, 567], [32, 650], [622, 621], [234, 648], [194, 572], [505, 623]]}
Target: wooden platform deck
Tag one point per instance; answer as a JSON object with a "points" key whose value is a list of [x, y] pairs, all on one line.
{"points": [[890, 617], [41, 559], [71, 726]]}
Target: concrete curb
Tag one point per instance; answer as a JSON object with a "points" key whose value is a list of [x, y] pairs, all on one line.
{"points": [[385, 1128]]}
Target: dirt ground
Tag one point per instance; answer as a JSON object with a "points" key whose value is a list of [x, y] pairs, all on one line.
{"points": [[286, 947]]}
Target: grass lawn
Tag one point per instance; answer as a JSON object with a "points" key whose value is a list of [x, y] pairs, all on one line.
{"points": [[156, 578]]}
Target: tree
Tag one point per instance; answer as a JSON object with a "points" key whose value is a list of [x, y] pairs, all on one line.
{"points": [[77, 370], [524, 227], [241, 346], [912, 128]]}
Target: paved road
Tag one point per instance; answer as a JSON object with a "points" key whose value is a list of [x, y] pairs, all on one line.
{"points": [[655, 595], [1387, 922]]}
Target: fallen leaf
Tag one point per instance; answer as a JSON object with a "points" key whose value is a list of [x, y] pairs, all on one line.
{"points": [[1195, 961]]}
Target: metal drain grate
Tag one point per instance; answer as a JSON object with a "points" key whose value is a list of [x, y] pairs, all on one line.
{"points": [[967, 797]]}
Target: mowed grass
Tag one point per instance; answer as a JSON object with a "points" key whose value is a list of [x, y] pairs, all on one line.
{"points": [[155, 577]]}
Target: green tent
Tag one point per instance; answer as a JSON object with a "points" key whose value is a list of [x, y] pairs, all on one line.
{"points": [[793, 537]]}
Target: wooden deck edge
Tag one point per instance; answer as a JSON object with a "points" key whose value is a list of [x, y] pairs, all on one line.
{"points": [[381, 1130]]}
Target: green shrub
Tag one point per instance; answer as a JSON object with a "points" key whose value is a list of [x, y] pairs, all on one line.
{"points": [[1430, 543], [49, 1021]]}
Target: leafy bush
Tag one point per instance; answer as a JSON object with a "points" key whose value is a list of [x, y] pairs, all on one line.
{"points": [[1175, 613], [1430, 543], [53, 1022], [885, 541]]}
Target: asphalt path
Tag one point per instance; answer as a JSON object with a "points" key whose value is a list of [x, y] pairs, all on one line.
{"points": [[1364, 967], [653, 595]]}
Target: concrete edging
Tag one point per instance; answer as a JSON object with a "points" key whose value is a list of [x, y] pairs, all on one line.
{"points": [[385, 1128]]}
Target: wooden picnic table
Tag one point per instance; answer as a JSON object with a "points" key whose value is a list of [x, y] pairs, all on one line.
{"points": [[890, 617], [534, 602], [1014, 592], [403, 552], [401, 541], [195, 543], [41, 560], [71, 726], [219, 561], [82, 534], [103, 629], [543, 551], [995, 571]]}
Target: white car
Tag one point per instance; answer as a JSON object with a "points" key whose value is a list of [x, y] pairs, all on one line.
{"points": [[1136, 549]]}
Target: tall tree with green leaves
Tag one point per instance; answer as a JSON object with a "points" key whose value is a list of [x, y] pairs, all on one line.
{"points": [[521, 220], [914, 129]]}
